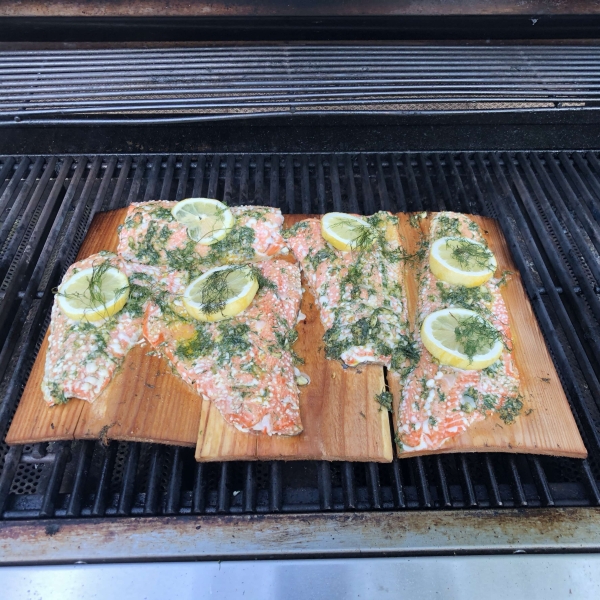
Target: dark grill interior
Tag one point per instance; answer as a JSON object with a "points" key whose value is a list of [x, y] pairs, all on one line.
{"points": [[548, 207]]}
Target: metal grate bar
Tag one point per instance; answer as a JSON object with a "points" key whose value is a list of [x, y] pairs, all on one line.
{"points": [[128, 482], [174, 487], [61, 456], [544, 228], [103, 486], [397, 484], [151, 505], [446, 501], [542, 482], [471, 499], [84, 458], [325, 487], [494, 490], [239, 82], [250, 488], [199, 491], [348, 486]]}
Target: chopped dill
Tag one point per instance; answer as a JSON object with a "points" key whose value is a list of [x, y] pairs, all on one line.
{"points": [[432, 421], [447, 226], [415, 218], [511, 409], [493, 369], [57, 394], [163, 213], [385, 400], [364, 234], [216, 290], [470, 255], [314, 260], [294, 229], [464, 297], [476, 335], [504, 278]]}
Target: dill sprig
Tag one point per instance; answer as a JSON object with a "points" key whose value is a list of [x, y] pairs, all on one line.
{"points": [[470, 254], [365, 234], [476, 335], [93, 294], [217, 289]]}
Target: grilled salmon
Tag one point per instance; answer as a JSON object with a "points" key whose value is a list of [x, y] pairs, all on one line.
{"points": [[151, 235], [82, 357], [244, 365], [439, 402], [360, 294]]}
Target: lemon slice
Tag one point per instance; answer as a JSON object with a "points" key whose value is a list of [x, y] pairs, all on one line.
{"points": [[461, 338], [220, 293], [346, 232], [93, 294], [207, 221], [461, 261]]}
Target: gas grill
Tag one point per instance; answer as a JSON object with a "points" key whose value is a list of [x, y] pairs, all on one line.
{"points": [[503, 130]]}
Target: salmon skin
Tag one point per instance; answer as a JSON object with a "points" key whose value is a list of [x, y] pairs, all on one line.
{"points": [[440, 402], [244, 365], [82, 357], [151, 235], [360, 294]]}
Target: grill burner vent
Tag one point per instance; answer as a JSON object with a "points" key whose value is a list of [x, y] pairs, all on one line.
{"points": [[548, 206]]}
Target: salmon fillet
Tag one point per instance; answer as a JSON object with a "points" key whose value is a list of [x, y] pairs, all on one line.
{"points": [[244, 365], [150, 235], [440, 402], [82, 357], [360, 294]]}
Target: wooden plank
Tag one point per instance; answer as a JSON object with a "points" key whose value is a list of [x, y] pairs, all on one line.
{"points": [[34, 421], [144, 402], [341, 418], [547, 425]]}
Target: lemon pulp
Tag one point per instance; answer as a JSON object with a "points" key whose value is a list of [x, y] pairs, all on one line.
{"points": [[345, 232], [220, 293], [95, 293], [461, 261], [439, 333], [207, 220]]}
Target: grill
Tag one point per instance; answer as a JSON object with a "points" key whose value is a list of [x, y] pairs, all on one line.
{"points": [[547, 204], [195, 84]]}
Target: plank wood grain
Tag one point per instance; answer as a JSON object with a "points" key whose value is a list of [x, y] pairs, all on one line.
{"points": [[546, 425], [341, 418]]}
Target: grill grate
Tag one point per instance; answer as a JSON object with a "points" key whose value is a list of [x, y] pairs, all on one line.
{"points": [[547, 203], [207, 83]]}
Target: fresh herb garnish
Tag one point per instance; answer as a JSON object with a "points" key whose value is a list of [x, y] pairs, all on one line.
{"points": [[470, 255], [464, 297], [447, 226], [511, 409], [385, 400], [364, 233], [476, 335]]}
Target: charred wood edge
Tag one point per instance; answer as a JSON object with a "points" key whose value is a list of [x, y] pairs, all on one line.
{"points": [[289, 536]]}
